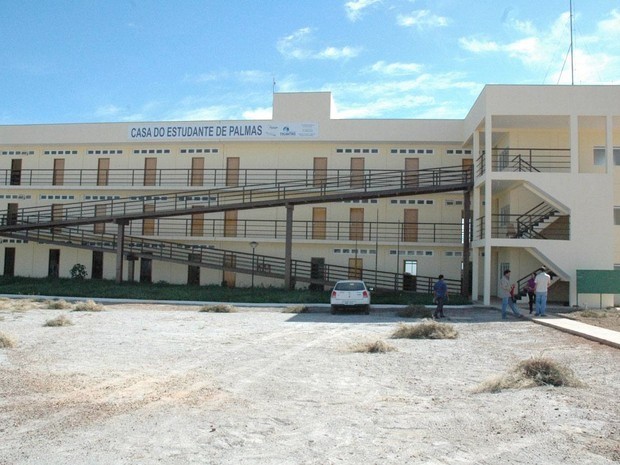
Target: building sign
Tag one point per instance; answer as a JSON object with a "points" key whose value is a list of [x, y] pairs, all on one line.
{"points": [[231, 130]]}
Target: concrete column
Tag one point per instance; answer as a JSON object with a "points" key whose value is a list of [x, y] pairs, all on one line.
{"points": [[574, 144], [466, 241], [288, 249], [120, 245], [488, 204]]}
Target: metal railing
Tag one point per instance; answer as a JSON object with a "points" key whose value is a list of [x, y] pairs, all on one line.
{"points": [[181, 177], [302, 230], [526, 226], [240, 262], [330, 189], [531, 160]]}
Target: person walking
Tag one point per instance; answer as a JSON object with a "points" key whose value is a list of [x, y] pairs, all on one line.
{"points": [[440, 291], [506, 292], [530, 288], [542, 285]]}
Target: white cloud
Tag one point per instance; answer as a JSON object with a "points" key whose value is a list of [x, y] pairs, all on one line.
{"points": [[422, 19], [354, 8], [396, 69], [538, 48], [478, 46], [258, 113], [334, 53], [298, 45]]}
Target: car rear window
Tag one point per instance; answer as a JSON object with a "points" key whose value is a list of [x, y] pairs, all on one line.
{"points": [[349, 287]]}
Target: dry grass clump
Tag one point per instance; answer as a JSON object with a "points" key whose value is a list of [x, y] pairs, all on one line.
{"points": [[62, 320], [426, 330], [6, 341], [296, 309], [58, 304], [538, 371], [88, 306], [594, 314], [377, 347], [218, 308], [415, 311], [16, 305]]}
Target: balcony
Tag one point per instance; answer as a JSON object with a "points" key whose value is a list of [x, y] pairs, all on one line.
{"points": [[530, 160]]}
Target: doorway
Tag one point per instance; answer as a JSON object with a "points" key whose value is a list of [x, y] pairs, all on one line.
{"points": [[53, 264], [9, 261]]}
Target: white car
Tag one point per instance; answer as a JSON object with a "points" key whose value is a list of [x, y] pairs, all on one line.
{"points": [[352, 295]]}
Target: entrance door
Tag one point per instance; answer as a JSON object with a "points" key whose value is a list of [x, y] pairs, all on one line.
{"points": [[356, 224], [193, 271], [355, 268], [319, 215], [412, 178], [100, 210], [57, 215], [9, 261], [319, 173], [16, 172], [96, 271], [232, 171], [230, 223], [150, 171], [198, 168], [410, 227], [103, 171], [58, 177], [198, 222], [148, 224], [229, 277], [357, 173], [11, 213], [146, 270], [317, 271], [53, 267]]}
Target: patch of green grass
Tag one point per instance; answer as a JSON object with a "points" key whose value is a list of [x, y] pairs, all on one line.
{"points": [[101, 288]]}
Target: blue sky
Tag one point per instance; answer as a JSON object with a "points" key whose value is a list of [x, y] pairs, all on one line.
{"points": [[156, 60]]}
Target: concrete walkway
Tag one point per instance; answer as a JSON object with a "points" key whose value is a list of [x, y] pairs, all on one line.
{"points": [[594, 333]]}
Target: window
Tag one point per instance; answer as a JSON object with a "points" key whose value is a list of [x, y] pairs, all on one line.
{"points": [[411, 267], [617, 216], [599, 156]]}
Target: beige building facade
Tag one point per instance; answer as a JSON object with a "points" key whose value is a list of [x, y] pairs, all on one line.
{"points": [[545, 189]]}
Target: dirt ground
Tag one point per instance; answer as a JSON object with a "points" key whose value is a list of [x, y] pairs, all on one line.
{"points": [[151, 384], [609, 319]]}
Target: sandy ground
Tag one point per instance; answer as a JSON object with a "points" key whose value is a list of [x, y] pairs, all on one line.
{"points": [[139, 384]]}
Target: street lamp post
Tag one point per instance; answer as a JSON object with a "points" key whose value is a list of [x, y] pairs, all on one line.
{"points": [[253, 244]]}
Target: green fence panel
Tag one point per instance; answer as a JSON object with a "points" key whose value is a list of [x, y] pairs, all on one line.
{"points": [[598, 281]]}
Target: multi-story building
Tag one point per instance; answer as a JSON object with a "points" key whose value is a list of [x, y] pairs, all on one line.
{"points": [[543, 191]]}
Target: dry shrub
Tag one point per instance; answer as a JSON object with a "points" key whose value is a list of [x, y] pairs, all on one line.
{"points": [[593, 314], [6, 341], [16, 305], [88, 306], [218, 308], [61, 320], [58, 304], [296, 309], [426, 330], [415, 311], [534, 372], [377, 347]]}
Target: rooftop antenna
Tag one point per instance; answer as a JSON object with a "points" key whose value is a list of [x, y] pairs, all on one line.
{"points": [[572, 61]]}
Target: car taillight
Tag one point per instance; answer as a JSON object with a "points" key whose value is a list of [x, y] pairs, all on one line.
{"points": [[365, 293], [333, 293]]}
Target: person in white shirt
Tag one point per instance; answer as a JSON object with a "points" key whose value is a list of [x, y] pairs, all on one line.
{"points": [[542, 284]]}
